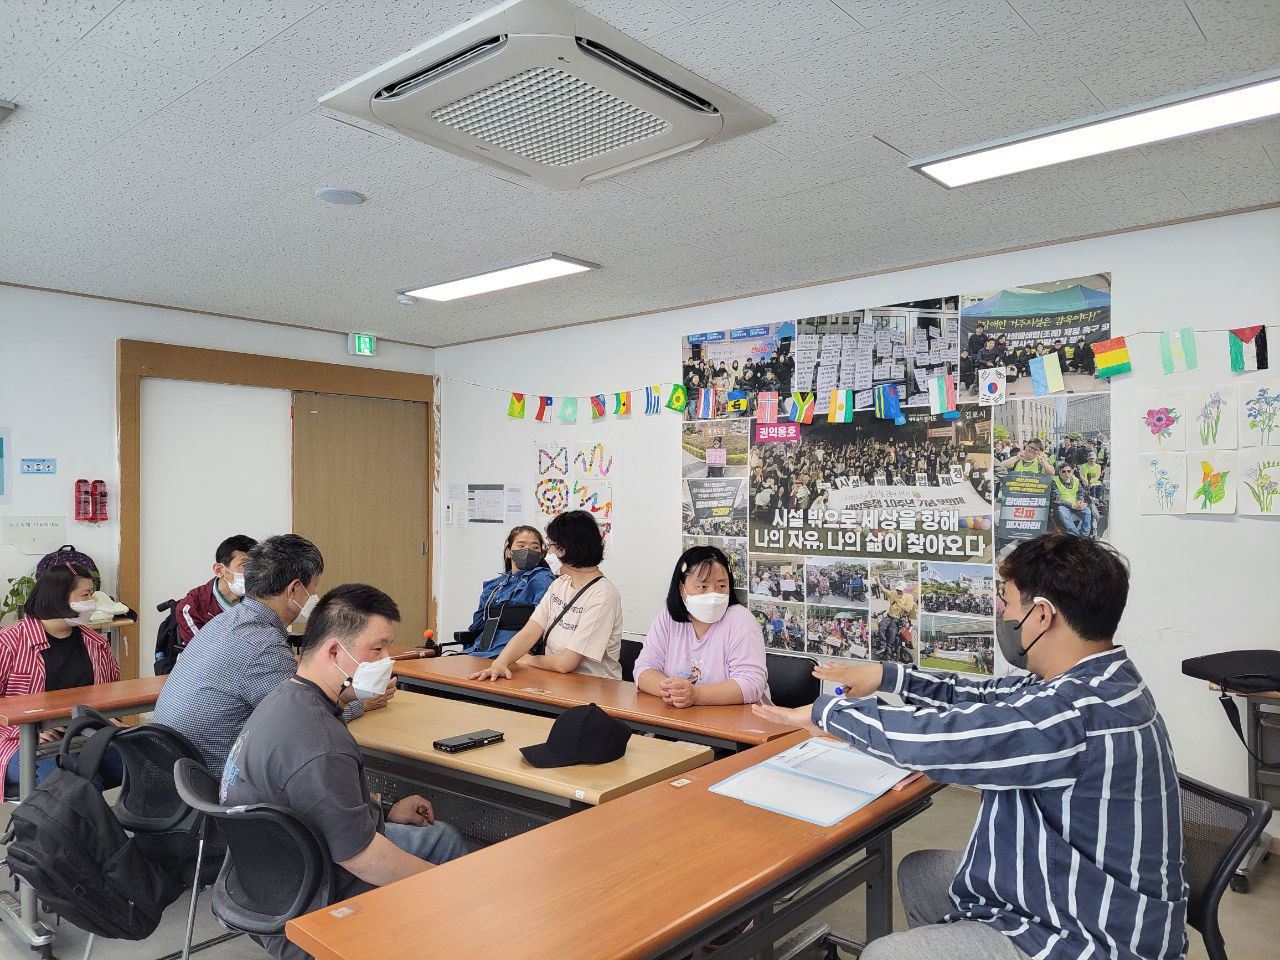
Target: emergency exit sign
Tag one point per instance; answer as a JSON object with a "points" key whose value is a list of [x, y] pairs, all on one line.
{"points": [[362, 344]]}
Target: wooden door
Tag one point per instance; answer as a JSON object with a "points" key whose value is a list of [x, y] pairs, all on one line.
{"points": [[361, 493]]}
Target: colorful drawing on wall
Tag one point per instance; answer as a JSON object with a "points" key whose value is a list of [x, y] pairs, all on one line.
{"points": [[551, 496], [595, 498], [1260, 476], [553, 459], [1164, 489], [1213, 416], [1211, 482], [1260, 414], [592, 460], [1162, 414]]}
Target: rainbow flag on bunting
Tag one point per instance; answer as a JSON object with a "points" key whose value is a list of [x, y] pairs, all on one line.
{"points": [[887, 405], [767, 407], [802, 407], [841, 408], [706, 404], [652, 401], [737, 401], [1112, 357], [568, 409], [622, 404], [942, 396], [597, 406], [515, 406], [679, 398], [543, 413]]}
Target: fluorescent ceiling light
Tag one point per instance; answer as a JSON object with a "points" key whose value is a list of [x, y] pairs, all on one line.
{"points": [[1224, 105], [544, 268]]}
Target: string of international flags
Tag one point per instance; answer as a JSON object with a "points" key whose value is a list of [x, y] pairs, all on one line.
{"points": [[1247, 350]]}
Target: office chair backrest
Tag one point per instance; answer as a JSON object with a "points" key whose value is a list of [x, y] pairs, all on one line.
{"points": [[791, 679], [1218, 830], [627, 658], [276, 868]]}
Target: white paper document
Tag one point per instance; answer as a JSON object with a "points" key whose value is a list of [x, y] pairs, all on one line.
{"points": [[820, 781]]}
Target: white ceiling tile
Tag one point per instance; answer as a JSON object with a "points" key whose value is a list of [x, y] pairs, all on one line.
{"points": [[196, 37], [876, 13], [1223, 20], [769, 91], [34, 35], [636, 18], [35, 149], [98, 87], [1126, 38]]}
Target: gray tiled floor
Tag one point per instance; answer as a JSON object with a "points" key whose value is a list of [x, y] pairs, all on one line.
{"points": [[1251, 921]]}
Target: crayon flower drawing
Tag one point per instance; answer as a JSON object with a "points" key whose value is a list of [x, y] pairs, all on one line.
{"points": [[1165, 487], [1262, 480], [1262, 411], [1210, 418], [1161, 421], [1213, 485]]}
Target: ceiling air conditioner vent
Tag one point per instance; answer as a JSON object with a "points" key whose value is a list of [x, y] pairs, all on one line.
{"points": [[545, 90]]}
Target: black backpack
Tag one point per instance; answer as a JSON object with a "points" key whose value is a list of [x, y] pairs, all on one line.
{"points": [[167, 644], [66, 843]]}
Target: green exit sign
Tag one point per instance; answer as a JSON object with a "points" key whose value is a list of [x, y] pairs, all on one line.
{"points": [[362, 344]]}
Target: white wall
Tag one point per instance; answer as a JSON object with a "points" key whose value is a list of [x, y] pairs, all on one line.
{"points": [[58, 395], [1199, 585], [192, 496]]}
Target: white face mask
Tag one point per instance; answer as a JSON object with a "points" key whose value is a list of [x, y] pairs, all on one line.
{"points": [[306, 609], [707, 607], [235, 584], [371, 678], [85, 610]]}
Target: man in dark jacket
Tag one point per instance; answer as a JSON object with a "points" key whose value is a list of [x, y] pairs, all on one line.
{"points": [[203, 603]]}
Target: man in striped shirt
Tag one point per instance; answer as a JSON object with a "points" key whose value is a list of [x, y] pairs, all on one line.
{"points": [[1077, 850]]}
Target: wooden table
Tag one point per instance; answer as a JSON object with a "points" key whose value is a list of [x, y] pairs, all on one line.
{"points": [[31, 713], [408, 726], [726, 728], [652, 874]]}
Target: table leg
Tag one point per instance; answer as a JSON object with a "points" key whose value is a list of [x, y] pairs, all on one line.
{"points": [[880, 889], [28, 745]]}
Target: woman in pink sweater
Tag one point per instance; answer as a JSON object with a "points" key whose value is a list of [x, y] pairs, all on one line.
{"points": [[705, 648]]}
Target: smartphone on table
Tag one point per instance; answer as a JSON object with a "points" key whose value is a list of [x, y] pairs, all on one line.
{"points": [[468, 741]]}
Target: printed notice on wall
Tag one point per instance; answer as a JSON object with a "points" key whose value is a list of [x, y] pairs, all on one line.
{"points": [[486, 503], [34, 535]]}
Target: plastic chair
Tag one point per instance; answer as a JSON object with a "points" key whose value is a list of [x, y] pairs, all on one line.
{"points": [[514, 616], [627, 658], [275, 868], [1218, 831], [791, 679]]}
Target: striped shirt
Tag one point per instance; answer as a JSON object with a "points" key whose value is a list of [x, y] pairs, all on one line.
{"points": [[1077, 849], [230, 665], [22, 669]]}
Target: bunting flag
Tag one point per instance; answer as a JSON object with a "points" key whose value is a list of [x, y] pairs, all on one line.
{"points": [[543, 413], [942, 396], [1178, 351], [515, 406], [706, 404], [622, 404], [737, 401], [802, 407], [679, 398], [597, 406], [886, 404], [991, 387], [841, 408], [1112, 357], [1248, 347], [767, 407], [1046, 375], [652, 401], [569, 409]]}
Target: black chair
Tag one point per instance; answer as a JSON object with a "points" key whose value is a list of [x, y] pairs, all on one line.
{"points": [[791, 679], [513, 617], [627, 658], [1218, 831], [275, 867]]}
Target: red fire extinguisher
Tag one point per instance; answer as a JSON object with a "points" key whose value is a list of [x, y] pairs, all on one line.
{"points": [[98, 490], [84, 500]]}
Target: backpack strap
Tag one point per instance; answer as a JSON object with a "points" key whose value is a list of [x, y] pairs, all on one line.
{"points": [[85, 763], [1232, 711]]}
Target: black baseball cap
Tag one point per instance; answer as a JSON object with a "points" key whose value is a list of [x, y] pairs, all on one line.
{"points": [[584, 734]]}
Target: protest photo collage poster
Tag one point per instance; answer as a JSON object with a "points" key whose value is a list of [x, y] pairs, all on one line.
{"points": [[869, 539]]}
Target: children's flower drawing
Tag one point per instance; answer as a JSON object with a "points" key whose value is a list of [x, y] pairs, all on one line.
{"points": [[1263, 482], [1262, 411], [1210, 418], [1213, 486], [1166, 487], [1161, 421]]}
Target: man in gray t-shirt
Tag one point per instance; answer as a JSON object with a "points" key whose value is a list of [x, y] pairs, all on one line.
{"points": [[295, 751]]}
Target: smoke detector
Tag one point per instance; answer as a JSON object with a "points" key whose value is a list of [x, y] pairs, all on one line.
{"points": [[545, 90]]}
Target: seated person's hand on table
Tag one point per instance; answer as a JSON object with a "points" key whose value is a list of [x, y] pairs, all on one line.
{"points": [[382, 699], [491, 673], [49, 736], [678, 692], [858, 679], [415, 811]]}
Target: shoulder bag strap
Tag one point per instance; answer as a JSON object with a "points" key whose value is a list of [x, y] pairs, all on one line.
{"points": [[541, 646]]}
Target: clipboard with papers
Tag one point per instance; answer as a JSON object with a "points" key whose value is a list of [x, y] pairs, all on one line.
{"points": [[820, 781]]}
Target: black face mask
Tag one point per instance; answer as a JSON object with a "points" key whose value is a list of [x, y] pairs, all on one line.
{"points": [[1009, 635], [525, 559]]}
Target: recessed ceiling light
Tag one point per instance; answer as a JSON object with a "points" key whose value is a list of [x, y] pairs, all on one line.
{"points": [[544, 268], [1211, 108], [347, 198]]}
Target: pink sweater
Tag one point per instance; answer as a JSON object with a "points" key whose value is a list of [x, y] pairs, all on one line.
{"points": [[732, 649]]}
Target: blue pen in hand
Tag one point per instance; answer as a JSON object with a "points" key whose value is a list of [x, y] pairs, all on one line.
{"points": [[839, 691]]}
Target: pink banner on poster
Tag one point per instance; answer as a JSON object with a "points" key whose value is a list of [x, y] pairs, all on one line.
{"points": [[773, 432]]}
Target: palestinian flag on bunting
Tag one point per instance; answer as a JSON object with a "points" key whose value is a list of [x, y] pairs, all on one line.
{"points": [[706, 404], [622, 404], [597, 406], [515, 406], [652, 401], [737, 401], [1178, 350], [942, 396], [1248, 346], [679, 398], [767, 407], [569, 409], [543, 413], [886, 404], [841, 408], [802, 407], [1112, 357]]}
